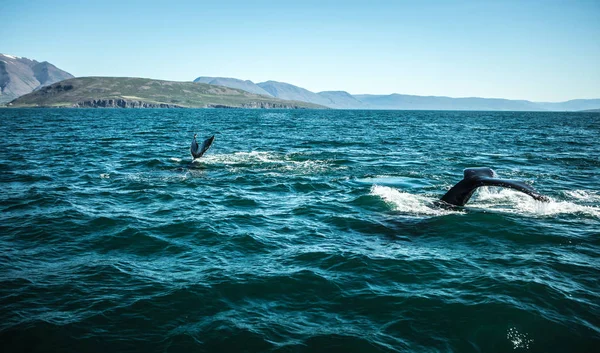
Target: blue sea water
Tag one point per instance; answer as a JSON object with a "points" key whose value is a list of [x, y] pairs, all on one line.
{"points": [[299, 231]]}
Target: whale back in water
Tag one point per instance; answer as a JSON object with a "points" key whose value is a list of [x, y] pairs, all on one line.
{"points": [[460, 193], [199, 150]]}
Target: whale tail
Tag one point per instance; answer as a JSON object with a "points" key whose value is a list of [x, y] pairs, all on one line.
{"points": [[199, 150], [460, 193]]}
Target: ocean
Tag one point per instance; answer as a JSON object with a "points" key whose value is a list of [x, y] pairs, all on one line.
{"points": [[299, 231]]}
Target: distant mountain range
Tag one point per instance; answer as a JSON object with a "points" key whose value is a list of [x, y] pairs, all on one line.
{"points": [[128, 92], [247, 85], [282, 90], [25, 78], [345, 100], [19, 76], [286, 91]]}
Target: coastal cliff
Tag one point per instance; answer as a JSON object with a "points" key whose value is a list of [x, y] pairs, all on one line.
{"points": [[125, 103], [121, 103]]}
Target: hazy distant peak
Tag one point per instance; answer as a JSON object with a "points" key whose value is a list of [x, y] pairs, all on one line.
{"points": [[290, 92], [342, 100], [230, 82], [344, 93]]}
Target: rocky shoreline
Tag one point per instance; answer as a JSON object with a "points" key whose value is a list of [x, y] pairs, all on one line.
{"points": [[138, 104], [122, 103]]}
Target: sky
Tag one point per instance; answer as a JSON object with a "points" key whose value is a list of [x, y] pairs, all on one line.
{"points": [[535, 50]]}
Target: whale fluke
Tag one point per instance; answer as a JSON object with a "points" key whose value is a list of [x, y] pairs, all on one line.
{"points": [[198, 151], [460, 193]]}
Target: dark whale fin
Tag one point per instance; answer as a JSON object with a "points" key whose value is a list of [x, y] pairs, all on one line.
{"points": [[460, 193], [198, 151]]}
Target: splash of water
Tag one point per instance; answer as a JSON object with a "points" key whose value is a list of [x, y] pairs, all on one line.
{"points": [[497, 199], [410, 203], [511, 201]]}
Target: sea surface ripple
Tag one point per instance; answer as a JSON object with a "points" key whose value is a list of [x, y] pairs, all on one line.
{"points": [[300, 231]]}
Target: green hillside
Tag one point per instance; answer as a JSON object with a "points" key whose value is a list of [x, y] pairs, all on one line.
{"points": [[126, 92]]}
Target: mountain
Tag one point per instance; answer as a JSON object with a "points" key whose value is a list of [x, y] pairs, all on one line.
{"points": [[395, 101], [331, 99], [572, 105], [246, 85], [409, 102], [284, 90], [342, 100], [19, 76], [127, 92]]}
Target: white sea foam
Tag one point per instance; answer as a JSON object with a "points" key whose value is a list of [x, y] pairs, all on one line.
{"points": [[556, 207], [175, 159], [410, 203], [583, 195], [268, 161], [496, 199], [104, 176], [507, 200], [244, 157], [160, 176]]}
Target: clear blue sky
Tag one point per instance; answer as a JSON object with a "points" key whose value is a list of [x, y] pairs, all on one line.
{"points": [[536, 50]]}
